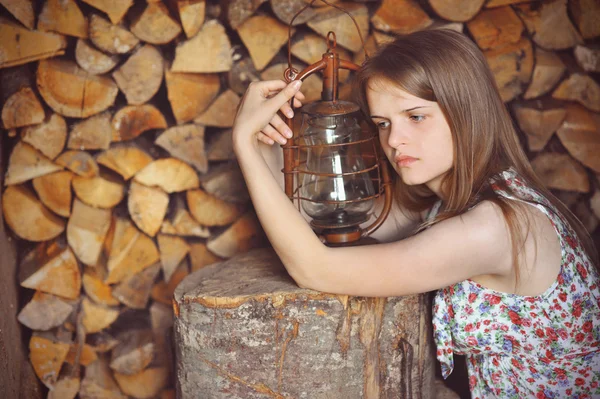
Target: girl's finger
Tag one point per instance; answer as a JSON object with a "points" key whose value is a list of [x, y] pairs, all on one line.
{"points": [[262, 137], [273, 134], [281, 126]]}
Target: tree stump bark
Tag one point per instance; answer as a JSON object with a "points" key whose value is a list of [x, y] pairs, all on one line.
{"points": [[244, 329]]}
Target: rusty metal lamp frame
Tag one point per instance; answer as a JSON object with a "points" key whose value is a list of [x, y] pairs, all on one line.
{"points": [[332, 106]]}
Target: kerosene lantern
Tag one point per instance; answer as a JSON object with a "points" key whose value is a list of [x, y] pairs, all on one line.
{"points": [[333, 165]]}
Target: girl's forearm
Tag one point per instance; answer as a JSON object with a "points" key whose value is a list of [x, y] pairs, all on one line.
{"points": [[293, 240]]}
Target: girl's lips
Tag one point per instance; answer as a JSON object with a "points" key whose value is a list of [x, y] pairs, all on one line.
{"points": [[404, 161]]}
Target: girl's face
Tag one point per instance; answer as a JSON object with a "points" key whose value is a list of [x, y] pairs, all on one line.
{"points": [[414, 134]]}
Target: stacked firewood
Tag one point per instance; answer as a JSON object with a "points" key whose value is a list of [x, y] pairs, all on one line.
{"points": [[121, 168]]}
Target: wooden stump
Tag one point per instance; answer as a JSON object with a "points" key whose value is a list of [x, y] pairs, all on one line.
{"points": [[244, 329]]}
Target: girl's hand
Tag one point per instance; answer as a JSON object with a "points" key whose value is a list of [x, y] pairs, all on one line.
{"points": [[257, 118]]}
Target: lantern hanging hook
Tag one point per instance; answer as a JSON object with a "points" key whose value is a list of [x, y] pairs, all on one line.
{"points": [[291, 71], [331, 41]]}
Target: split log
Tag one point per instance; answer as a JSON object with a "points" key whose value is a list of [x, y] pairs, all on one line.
{"points": [[172, 251], [581, 88], [201, 257], [561, 172], [98, 291], [219, 146], [79, 162], [22, 109], [587, 217], [101, 342], [163, 292], [131, 252], [44, 312], [358, 335], [187, 144], [54, 190], [190, 93], [112, 39], [86, 231], [65, 388], [549, 25], [586, 14], [147, 207], [547, 72], [115, 9], [496, 27], [131, 121], [161, 317], [226, 182], [99, 382], [511, 66], [20, 45], [93, 60], [71, 91], [371, 45], [538, 125], [51, 268], [102, 191], [579, 135], [339, 22], [26, 163], [133, 353], [241, 74], [191, 14], [588, 58], [453, 11], [27, 217], [47, 356], [48, 137], [125, 159], [145, 384], [87, 355], [22, 10], [500, 3], [141, 75], [181, 223], [594, 204], [97, 317], [134, 291], [93, 133], [263, 36], [405, 16], [241, 236], [221, 113], [240, 10], [286, 9], [170, 174], [310, 48], [208, 210], [155, 25], [207, 52], [63, 16]]}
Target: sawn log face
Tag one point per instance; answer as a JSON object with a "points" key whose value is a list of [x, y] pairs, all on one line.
{"points": [[244, 329]]}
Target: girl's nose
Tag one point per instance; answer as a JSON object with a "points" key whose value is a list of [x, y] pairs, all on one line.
{"points": [[397, 137]]}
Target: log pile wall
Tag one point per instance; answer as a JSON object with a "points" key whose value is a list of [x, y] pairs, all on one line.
{"points": [[121, 178]]}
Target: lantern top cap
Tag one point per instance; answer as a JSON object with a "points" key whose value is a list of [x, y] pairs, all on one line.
{"points": [[330, 108]]}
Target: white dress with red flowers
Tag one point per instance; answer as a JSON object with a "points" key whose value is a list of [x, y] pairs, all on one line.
{"points": [[544, 346]]}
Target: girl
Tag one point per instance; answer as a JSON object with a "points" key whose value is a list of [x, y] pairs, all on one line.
{"points": [[518, 290]]}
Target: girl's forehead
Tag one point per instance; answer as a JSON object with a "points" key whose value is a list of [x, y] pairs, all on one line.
{"points": [[378, 87]]}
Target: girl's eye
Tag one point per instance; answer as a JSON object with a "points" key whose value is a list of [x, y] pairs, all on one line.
{"points": [[417, 118], [383, 125]]}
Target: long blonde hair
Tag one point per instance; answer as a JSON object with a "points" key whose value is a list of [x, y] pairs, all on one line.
{"points": [[447, 67]]}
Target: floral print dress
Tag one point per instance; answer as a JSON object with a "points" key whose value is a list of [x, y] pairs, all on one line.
{"points": [[544, 346]]}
